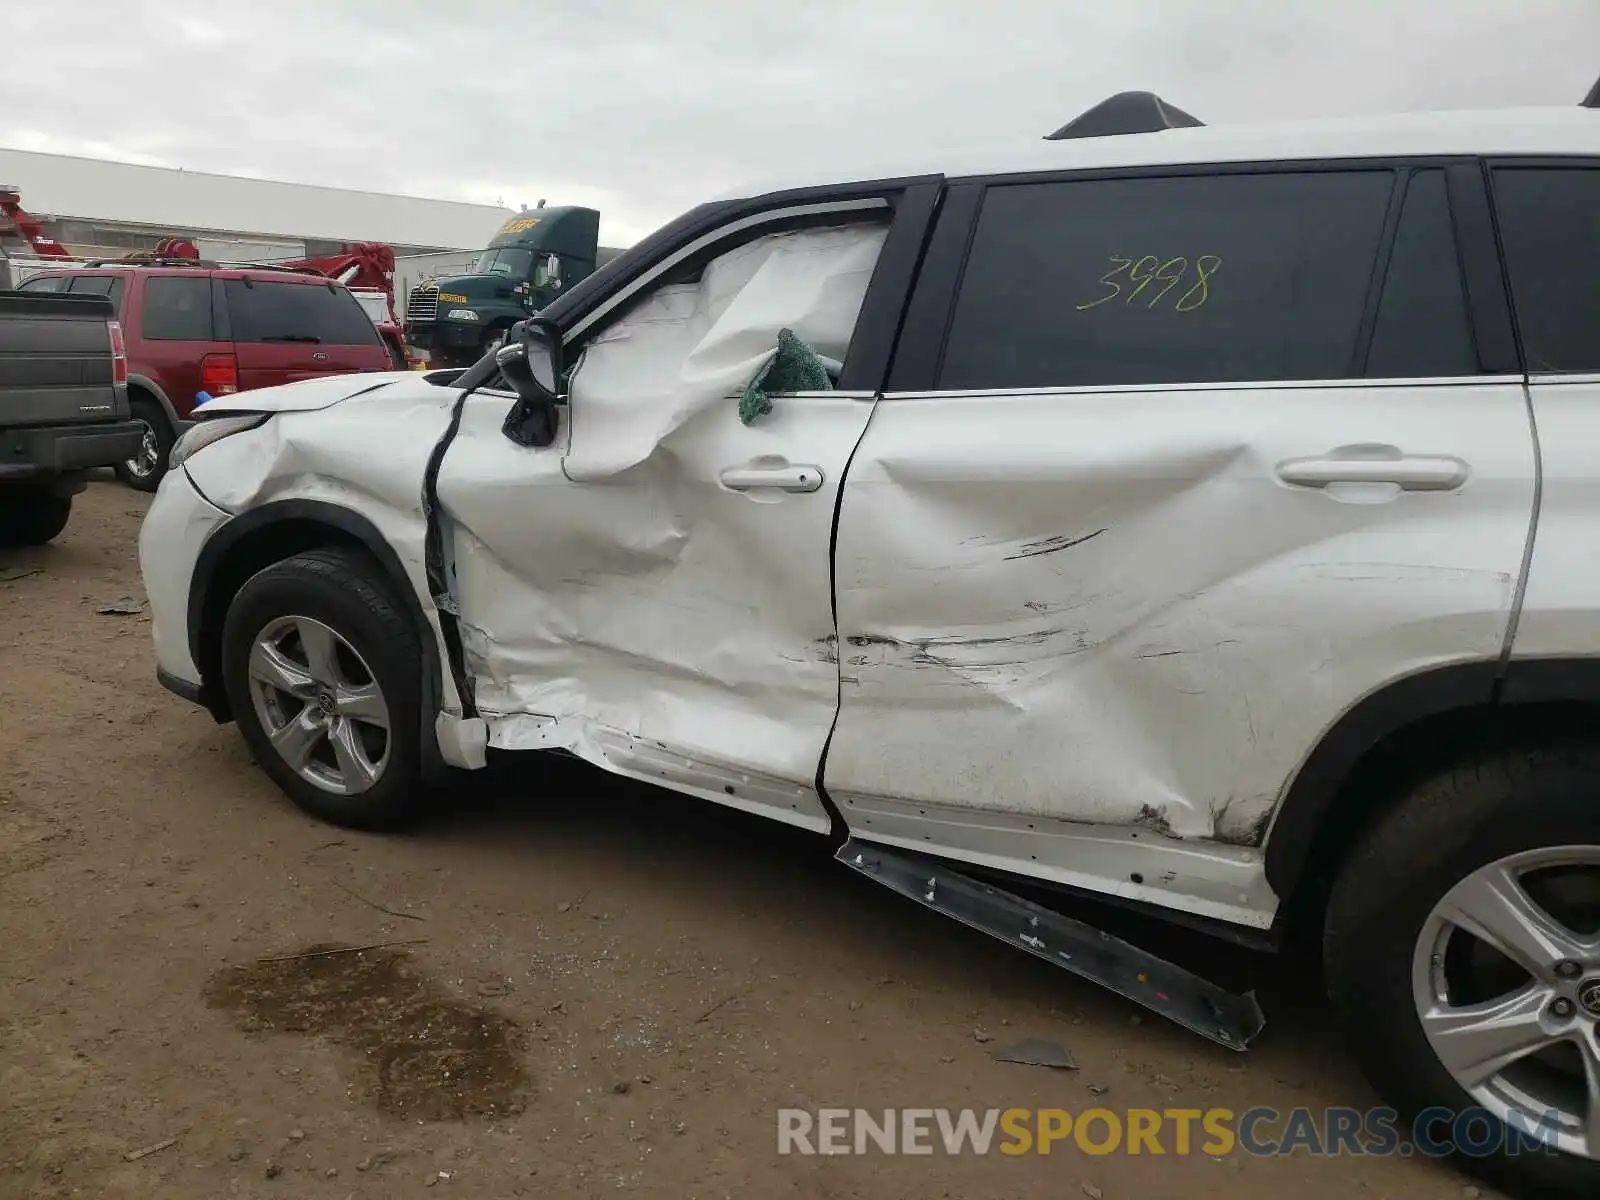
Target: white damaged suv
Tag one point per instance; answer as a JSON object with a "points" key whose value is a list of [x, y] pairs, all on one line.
{"points": [[1202, 519]]}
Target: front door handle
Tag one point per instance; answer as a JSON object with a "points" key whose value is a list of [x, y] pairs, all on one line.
{"points": [[1376, 464], [784, 478]]}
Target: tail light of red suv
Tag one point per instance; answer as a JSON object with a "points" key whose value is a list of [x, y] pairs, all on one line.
{"points": [[219, 374]]}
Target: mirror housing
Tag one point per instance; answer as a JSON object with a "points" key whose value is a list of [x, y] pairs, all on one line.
{"points": [[530, 360]]}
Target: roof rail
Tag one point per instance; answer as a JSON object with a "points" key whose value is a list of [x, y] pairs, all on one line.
{"points": [[137, 262], [1592, 100], [199, 264], [248, 266], [1126, 112]]}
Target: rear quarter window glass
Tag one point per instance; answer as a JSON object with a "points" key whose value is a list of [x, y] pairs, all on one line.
{"points": [[1550, 228], [109, 286], [176, 308], [1193, 279], [265, 311], [42, 284]]}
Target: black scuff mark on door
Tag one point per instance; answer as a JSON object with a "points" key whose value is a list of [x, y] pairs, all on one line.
{"points": [[1046, 607], [1253, 834], [1034, 637], [1052, 545], [949, 653], [1155, 820]]}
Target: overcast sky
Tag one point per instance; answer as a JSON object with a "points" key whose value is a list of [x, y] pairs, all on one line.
{"points": [[642, 108]]}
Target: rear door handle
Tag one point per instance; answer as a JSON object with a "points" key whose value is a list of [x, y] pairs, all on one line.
{"points": [[1376, 464], [785, 478]]}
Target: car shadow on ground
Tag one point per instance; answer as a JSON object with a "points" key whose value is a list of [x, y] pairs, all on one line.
{"points": [[776, 875]]}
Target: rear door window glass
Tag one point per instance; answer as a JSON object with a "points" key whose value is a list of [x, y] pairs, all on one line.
{"points": [[1550, 228], [1183, 279], [1422, 326], [265, 311], [177, 308]]}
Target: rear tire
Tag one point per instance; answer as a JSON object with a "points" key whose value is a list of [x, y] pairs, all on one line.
{"points": [[323, 672], [1405, 970], [32, 518], [144, 473]]}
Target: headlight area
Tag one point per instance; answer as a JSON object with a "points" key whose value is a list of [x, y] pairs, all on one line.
{"points": [[461, 314], [205, 432]]}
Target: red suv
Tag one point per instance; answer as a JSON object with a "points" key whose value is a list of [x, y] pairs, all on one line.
{"points": [[218, 330]]}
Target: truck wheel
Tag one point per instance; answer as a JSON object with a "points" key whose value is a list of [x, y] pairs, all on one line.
{"points": [[1462, 948], [32, 518], [323, 672], [144, 471]]}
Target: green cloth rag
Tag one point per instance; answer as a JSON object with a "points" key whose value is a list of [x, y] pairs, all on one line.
{"points": [[794, 368]]}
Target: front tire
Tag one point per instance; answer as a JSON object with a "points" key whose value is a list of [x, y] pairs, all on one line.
{"points": [[32, 518], [323, 671], [1462, 949], [144, 471]]}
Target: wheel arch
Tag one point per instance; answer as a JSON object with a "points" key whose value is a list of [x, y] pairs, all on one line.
{"points": [[1399, 734], [143, 383], [255, 540]]}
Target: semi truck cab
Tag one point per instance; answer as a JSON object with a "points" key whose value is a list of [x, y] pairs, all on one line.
{"points": [[526, 265]]}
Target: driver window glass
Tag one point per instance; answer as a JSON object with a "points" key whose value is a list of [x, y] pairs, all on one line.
{"points": [[806, 237], [701, 344]]}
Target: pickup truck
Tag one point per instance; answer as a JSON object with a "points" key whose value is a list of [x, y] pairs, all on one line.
{"points": [[63, 408]]}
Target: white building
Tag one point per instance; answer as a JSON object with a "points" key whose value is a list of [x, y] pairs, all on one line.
{"points": [[105, 209]]}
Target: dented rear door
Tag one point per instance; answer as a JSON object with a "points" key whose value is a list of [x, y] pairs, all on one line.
{"points": [[1172, 472]]}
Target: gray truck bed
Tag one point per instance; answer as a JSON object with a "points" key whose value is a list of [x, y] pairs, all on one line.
{"points": [[55, 361], [61, 409]]}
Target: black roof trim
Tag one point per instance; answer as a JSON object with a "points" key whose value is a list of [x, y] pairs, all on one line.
{"points": [[1592, 100], [1126, 112]]}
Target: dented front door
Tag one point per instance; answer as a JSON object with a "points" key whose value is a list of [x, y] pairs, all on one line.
{"points": [[653, 591]]}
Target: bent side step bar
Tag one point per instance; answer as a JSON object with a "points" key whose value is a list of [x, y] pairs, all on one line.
{"points": [[1157, 984]]}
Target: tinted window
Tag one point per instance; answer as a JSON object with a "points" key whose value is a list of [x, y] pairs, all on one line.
{"points": [[1550, 227], [1422, 327], [264, 311], [1174, 280], [177, 308], [42, 284], [99, 285]]}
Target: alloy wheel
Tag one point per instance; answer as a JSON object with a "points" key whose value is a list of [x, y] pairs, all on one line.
{"points": [[143, 464], [1506, 979], [319, 704]]}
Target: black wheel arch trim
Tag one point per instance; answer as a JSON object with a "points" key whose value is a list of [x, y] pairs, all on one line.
{"points": [[215, 552], [1405, 702]]}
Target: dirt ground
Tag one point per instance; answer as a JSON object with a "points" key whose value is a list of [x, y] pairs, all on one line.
{"points": [[603, 989]]}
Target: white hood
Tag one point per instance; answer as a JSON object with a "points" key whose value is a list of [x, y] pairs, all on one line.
{"points": [[308, 395]]}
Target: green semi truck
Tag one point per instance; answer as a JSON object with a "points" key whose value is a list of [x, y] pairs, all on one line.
{"points": [[526, 265]]}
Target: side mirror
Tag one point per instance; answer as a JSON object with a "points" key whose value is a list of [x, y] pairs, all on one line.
{"points": [[547, 274], [530, 362]]}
